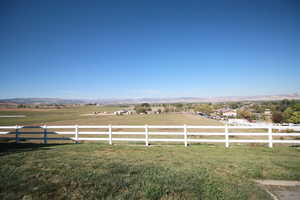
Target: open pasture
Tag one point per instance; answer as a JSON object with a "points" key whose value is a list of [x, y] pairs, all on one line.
{"points": [[72, 116], [154, 119], [42, 116]]}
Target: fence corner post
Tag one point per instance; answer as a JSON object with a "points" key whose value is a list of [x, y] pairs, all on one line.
{"points": [[146, 135], [226, 136], [76, 134], [270, 136], [17, 134], [110, 134], [185, 135], [45, 134]]}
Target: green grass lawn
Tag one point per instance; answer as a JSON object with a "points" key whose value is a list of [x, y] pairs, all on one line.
{"points": [[98, 171]]}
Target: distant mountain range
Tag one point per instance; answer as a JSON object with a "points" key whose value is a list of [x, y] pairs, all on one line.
{"points": [[149, 100], [42, 101]]}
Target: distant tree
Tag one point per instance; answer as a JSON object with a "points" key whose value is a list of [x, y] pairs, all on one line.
{"points": [[287, 114], [204, 108], [21, 106], [88, 104], [178, 107], [290, 114], [140, 109], [277, 117], [284, 104], [143, 108], [218, 106], [296, 107], [145, 105], [257, 108], [234, 105], [295, 118], [245, 114]]}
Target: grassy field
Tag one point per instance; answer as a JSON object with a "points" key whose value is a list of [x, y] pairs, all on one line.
{"points": [[100, 171], [94, 171], [73, 116], [40, 116]]}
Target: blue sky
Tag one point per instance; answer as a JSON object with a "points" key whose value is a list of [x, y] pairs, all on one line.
{"points": [[129, 49]]}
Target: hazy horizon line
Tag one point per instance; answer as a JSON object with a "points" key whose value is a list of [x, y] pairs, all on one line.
{"points": [[166, 97]]}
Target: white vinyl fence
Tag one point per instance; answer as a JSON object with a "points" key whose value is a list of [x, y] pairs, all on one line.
{"points": [[184, 135]]}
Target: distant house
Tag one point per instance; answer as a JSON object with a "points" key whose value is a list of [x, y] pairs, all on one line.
{"points": [[230, 113], [120, 112], [149, 112], [124, 112], [130, 112], [268, 112]]}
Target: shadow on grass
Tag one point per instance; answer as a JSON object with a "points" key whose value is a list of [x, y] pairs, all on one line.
{"points": [[10, 148]]}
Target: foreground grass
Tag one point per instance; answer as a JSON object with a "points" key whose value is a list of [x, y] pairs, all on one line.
{"points": [[96, 171]]}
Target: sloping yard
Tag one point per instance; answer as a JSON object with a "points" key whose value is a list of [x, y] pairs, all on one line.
{"points": [[98, 171]]}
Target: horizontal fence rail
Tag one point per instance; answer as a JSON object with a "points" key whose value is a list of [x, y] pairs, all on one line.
{"points": [[77, 134]]}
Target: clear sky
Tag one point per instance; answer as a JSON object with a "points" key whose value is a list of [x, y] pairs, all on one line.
{"points": [[149, 48]]}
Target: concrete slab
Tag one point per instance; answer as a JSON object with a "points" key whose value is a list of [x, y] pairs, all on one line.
{"points": [[285, 193], [279, 182], [281, 189]]}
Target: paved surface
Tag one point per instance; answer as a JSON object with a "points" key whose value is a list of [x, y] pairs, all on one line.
{"points": [[282, 190], [285, 193], [279, 182]]}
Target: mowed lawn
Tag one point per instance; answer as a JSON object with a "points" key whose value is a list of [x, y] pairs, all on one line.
{"points": [[99, 171]]}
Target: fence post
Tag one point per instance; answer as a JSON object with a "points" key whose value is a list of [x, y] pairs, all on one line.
{"points": [[146, 135], [76, 134], [290, 126], [185, 135], [17, 134], [270, 137], [45, 134], [226, 136], [110, 134]]}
